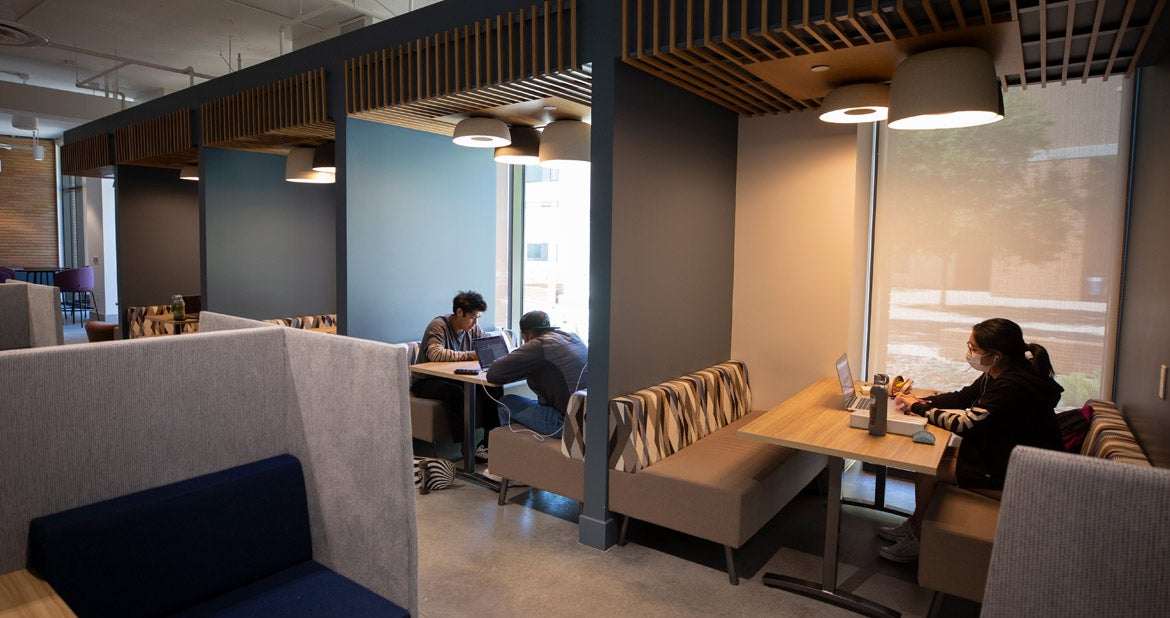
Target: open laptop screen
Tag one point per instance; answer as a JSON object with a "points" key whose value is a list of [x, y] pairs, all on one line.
{"points": [[488, 349], [845, 377]]}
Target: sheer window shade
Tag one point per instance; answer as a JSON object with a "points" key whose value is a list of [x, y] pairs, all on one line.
{"points": [[1022, 219]]}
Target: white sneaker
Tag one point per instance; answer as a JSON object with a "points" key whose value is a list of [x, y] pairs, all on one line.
{"points": [[894, 534], [488, 474], [481, 453], [905, 550]]}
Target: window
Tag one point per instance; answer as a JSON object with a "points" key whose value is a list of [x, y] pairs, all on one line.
{"points": [[1022, 219], [555, 231]]}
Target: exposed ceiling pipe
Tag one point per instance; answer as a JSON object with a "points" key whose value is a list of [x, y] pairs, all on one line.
{"points": [[353, 6], [81, 83], [189, 71]]}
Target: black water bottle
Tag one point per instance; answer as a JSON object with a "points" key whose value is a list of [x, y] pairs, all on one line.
{"points": [[881, 400]]}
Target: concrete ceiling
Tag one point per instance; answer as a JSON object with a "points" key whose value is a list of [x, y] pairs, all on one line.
{"points": [[139, 50]]}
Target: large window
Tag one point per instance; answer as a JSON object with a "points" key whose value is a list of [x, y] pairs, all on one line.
{"points": [[1022, 219], [555, 233]]}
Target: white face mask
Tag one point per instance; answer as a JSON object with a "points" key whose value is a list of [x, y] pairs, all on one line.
{"points": [[976, 361]]}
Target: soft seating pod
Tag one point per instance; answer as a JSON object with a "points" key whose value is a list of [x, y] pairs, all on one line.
{"points": [[146, 412], [229, 543]]}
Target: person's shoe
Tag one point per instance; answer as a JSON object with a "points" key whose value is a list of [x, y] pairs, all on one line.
{"points": [[905, 550], [488, 474], [894, 534], [481, 453]]}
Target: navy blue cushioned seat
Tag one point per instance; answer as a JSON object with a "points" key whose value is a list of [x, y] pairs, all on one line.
{"points": [[166, 549]]}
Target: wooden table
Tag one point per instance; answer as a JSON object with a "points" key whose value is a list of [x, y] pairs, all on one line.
{"points": [[447, 370], [815, 420], [176, 325], [23, 595]]}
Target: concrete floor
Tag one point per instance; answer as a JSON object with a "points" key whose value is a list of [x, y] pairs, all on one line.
{"points": [[523, 559]]}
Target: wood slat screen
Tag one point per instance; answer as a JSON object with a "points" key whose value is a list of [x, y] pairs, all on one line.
{"points": [[89, 157], [709, 47], [164, 141], [430, 83], [290, 112]]}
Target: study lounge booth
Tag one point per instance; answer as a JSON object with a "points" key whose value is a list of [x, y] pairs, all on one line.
{"points": [[645, 173]]}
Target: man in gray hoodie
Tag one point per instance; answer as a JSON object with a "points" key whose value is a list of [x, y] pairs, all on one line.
{"points": [[553, 362]]}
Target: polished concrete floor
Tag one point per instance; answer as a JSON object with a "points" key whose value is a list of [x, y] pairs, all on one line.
{"points": [[523, 559]]}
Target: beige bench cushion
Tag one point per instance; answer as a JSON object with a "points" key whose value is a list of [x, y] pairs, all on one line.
{"points": [[957, 534]]}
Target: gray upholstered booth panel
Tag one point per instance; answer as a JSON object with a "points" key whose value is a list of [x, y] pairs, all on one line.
{"points": [[30, 315], [1080, 536], [85, 423]]}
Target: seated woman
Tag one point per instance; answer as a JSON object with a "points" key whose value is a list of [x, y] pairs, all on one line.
{"points": [[1011, 403]]}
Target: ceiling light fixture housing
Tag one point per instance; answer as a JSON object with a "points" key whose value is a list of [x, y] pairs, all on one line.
{"points": [[524, 149], [856, 103], [323, 158], [565, 143], [299, 168], [189, 172], [481, 133], [945, 88]]}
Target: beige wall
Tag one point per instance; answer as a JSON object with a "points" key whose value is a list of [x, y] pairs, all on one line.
{"points": [[799, 276]]}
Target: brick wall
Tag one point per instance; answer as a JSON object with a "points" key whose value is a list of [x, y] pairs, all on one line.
{"points": [[28, 205]]}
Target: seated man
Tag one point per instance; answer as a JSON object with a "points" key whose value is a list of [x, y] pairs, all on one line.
{"points": [[553, 362], [448, 338]]}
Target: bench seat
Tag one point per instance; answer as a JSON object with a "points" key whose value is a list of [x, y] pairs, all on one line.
{"points": [[957, 534]]}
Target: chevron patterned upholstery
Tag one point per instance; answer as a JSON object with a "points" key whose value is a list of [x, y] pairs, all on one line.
{"points": [[656, 422], [306, 321], [140, 327]]}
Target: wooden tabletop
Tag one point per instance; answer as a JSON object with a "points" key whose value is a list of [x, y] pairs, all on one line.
{"points": [[23, 595], [815, 420], [447, 370], [323, 329]]}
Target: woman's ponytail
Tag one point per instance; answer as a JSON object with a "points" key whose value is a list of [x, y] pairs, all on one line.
{"points": [[1038, 360]]}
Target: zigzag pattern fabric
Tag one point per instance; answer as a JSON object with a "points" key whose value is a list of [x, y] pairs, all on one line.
{"points": [[306, 321], [1109, 436], [140, 327], [656, 422]]}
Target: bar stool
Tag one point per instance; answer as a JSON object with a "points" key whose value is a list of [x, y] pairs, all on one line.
{"points": [[76, 282]]}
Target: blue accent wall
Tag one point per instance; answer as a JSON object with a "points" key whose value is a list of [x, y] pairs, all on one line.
{"points": [[270, 244], [420, 217]]}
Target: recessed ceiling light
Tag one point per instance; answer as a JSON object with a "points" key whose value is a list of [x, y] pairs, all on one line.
{"points": [[819, 68]]}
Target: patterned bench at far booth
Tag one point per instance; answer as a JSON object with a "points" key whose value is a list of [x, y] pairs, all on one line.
{"points": [[676, 459]]}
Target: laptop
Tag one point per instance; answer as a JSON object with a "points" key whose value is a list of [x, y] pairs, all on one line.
{"points": [[852, 402], [488, 349]]}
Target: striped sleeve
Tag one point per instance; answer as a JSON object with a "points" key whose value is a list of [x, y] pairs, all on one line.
{"points": [[957, 421]]}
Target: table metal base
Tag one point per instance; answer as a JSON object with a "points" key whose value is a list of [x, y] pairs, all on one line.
{"points": [[833, 597]]}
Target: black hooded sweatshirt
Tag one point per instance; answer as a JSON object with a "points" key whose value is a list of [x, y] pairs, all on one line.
{"points": [[994, 415]]}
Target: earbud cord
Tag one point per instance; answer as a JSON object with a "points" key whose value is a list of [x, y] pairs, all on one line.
{"points": [[539, 437]]}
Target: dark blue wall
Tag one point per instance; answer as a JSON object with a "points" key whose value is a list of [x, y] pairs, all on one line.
{"points": [[420, 218], [157, 231], [270, 244]]}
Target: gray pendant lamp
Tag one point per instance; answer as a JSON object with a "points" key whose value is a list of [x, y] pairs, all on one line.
{"points": [[481, 133], [565, 143], [856, 103], [524, 149], [298, 167], [945, 88]]}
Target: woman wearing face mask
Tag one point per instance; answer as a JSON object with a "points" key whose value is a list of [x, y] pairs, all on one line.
{"points": [[1011, 403]]}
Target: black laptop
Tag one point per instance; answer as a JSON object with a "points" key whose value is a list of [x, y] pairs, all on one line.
{"points": [[488, 349]]}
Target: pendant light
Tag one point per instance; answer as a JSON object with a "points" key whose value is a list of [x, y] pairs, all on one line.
{"points": [[298, 167], [323, 160], [189, 172], [524, 149], [481, 133], [945, 88], [856, 103], [565, 143]]}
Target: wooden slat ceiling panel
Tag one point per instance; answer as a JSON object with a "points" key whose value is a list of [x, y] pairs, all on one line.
{"points": [[492, 67], [164, 141], [88, 157], [753, 56], [270, 118]]}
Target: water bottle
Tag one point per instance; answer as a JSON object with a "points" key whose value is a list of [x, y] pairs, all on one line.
{"points": [[881, 401], [178, 307]]}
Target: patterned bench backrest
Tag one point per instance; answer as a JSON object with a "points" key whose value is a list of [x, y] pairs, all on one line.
{"points": [[306, 321], [1109, 436], [656, 422], [140, 327]]}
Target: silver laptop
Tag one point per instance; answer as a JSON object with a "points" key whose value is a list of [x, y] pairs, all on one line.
{"points": [[852, 402], [488, 349]]}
